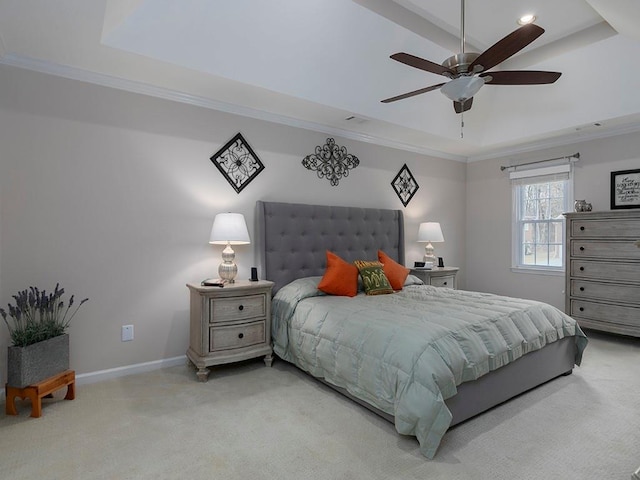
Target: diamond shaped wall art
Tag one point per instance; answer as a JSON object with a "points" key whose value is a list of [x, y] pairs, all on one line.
{"points": [[237, 162], [405, 185]]}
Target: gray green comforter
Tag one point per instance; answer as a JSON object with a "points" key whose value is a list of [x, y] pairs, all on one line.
{"points": [[405, 353]]}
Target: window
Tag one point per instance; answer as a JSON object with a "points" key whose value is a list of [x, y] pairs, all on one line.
{"points": [[540, 197]]}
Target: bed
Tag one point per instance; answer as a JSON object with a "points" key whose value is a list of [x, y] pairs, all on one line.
{"points": [[425, 358]]}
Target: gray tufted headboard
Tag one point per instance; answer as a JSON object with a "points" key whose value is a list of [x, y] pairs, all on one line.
{"points": [[294, 237]]}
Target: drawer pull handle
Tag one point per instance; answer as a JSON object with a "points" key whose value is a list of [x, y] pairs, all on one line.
{"points": [[582, 249], [582, 289], [581, 309], [241, 307], [582, 269], [241, 335], [582, 228], [444, 283]]}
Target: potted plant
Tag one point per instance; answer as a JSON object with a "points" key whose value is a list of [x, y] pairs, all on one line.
{"points": [[37, 325]]}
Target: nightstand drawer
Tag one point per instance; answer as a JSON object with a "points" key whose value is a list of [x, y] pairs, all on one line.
{"points": [[237, 336], [237, 308], [446, 281]]}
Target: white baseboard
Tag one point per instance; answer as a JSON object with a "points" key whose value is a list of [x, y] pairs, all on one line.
{"points": [[101, 375]]}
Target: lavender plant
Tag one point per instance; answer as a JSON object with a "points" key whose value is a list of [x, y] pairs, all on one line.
{"points": [[38, 315]]}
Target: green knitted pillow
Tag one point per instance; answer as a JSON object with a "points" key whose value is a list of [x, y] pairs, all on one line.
{"points": [[373, 278]]}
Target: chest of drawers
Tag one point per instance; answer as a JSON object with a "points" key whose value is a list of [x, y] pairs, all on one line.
{"points": [[603, 270], [229, 324]]}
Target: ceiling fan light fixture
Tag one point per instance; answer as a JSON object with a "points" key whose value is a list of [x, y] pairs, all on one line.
{"points": [[462, 88], [526, 19]]}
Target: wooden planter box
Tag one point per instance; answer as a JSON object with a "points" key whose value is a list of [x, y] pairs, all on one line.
{"points": [[34, 363]]}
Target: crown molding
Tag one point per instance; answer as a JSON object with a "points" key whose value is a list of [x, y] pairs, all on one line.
{"points": [[560, 141], [142, 88]]}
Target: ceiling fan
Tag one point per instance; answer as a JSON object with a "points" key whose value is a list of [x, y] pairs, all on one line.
{"points": [[468, 71]]}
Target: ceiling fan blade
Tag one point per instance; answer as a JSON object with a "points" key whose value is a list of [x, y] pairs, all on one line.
{"points": [[422, 64], [520, 77], [412, 94], [509, 45], [460, 107]]}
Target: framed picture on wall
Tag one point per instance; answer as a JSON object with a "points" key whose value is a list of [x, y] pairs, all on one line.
{"points": [[625, 189]]}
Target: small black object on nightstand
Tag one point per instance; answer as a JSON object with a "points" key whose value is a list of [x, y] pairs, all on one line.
{"points": [[254, 274]]}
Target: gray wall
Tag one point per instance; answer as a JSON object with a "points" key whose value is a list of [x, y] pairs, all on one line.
{"points": [[112, 194], [488, 266]]}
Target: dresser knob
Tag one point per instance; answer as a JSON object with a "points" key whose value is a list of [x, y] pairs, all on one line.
{"points": [[241, 307], [444, 283], [241, 335], [582, 249], [582, 289], [582, 269], [582, 228], [581, 309]]}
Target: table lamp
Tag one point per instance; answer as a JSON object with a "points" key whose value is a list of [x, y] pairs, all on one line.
{"points": [[229, 229], [430, 232]]}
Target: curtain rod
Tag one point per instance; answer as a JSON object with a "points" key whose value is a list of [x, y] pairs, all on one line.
{"points": [[567, 157]]}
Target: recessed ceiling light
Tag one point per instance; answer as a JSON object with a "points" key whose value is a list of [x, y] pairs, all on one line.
{"points": [[525, 19]]}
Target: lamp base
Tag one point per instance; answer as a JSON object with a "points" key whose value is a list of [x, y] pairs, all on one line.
{"points": [[228, 272], [228, 269], [430, 259], [428, 254]]}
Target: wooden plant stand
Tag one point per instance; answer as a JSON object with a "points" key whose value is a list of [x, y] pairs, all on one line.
{"points": [[37, 391]]}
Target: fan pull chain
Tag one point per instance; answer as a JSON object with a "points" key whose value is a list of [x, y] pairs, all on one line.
{"points": [[462, 125]]}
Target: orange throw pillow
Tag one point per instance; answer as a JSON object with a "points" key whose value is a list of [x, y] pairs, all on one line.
{"points": [[396, 273], [340, 277]]}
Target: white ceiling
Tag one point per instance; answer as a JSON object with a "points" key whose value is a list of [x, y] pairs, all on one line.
{"points": [[313, 63]]}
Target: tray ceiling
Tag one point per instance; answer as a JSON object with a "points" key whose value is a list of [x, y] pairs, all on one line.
{"points": [[315, 63]]}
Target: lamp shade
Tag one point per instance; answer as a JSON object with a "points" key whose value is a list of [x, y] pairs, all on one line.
{"points": [[462, 88], [229, 228], [430, 232]]}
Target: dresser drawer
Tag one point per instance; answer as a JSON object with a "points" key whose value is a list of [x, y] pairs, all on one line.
{"points": [[605, 249], [229, 309], [236, 336], [617, 314], [623, 272], [610, 228], [605, 291], [446, 281]]}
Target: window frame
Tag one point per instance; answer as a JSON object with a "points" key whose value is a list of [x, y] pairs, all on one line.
{"points": [[518, 181]]}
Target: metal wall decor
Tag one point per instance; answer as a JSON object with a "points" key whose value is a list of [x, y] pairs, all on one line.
{"points": [[405, 185], [237, 162], [331, 161]]}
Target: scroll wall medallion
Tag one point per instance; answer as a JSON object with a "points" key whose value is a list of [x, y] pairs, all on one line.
{"points": [[331, 162], [237, 162], [405, 185]]}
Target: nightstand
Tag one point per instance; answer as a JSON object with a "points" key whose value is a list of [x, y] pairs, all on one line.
{"points": [[437, 276], [229, 324]]}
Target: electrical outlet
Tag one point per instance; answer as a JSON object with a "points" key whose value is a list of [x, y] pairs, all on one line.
{"points": [[127, 333]]}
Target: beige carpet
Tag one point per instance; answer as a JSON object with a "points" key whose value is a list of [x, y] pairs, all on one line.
{"points": [[254, 422]]}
